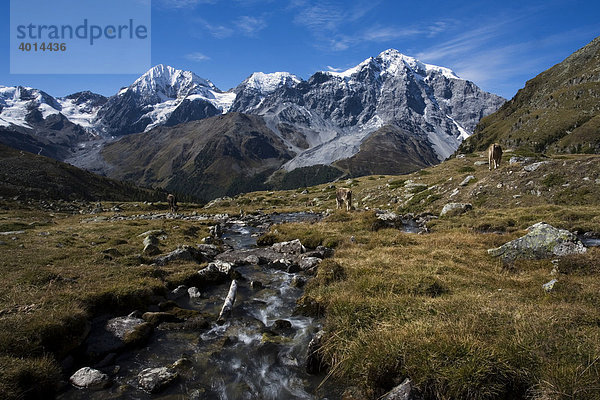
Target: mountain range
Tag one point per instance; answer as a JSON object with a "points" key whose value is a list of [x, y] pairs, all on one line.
{"points": [[389, 114]]}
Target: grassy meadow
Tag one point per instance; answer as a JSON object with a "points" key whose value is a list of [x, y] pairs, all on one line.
{"points": [[433, 307]]}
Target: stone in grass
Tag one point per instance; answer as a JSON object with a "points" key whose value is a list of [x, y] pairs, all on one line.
{"points": [[452, 209], [466, 181], [89, 378], [542, 241], [153, 380], [401, 392], [549, 286]]}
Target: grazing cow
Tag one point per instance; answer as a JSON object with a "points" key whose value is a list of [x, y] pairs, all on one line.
{"points": [[172, 203], [494, 155], [344, 196]]}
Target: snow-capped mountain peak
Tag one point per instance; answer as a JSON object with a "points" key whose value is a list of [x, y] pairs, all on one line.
{"points": [[392, 61], [17, 103], [268, 83], [171, 82], [162, 96]]}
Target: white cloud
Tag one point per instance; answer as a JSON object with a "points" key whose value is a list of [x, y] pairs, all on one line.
{"points": [[197, 56], [250, 25], [216, 30], [332, 69], [337, 26]]}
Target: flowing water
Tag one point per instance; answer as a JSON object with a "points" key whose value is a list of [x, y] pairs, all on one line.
{"points": [[248, 357]]}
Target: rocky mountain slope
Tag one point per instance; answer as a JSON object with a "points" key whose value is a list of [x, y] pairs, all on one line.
{"points": [[557, 111], [34, 121], [26, 176], [162, 96], [218, 156], [326, 118]]}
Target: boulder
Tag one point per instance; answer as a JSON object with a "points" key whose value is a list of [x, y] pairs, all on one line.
{"points": [[309, 263], [117, 333], [89, 378], [209, 251], [291, 247], [153, 380], [284, 264], [542, 241], [216, 272], [401, 392], [151, 240], [183, 253], [177, 293], [452, 209], [534, 166], [466, 181]]}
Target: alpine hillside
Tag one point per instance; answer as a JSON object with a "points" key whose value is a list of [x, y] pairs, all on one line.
{"points": [[557, 111]]}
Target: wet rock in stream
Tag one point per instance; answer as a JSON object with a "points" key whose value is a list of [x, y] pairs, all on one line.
{"points": [[116, 334], [153, 380]]}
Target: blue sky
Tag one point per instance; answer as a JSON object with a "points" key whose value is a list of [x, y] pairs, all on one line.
{"points": [[497, 45]]}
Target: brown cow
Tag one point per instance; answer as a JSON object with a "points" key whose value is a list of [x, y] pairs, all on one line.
{"points": [[172, 203], [343, 196], [494, 155]]}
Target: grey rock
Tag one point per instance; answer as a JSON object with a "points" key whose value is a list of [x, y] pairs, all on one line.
{"points": [[177, 293], [291, 247], [194, 293], [284, 264], [549, 286], [252, 259], [452, 209], [217, 271], [542, 241], [401, 392], [314, 359], [308, 263], [115, 334], [480, 163], [388, 216], [209, 251], [183, 253], [151, 240], [466, 181], [89, 378], [519, 160], [153, 380], [535, 166], [8, 233]]}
